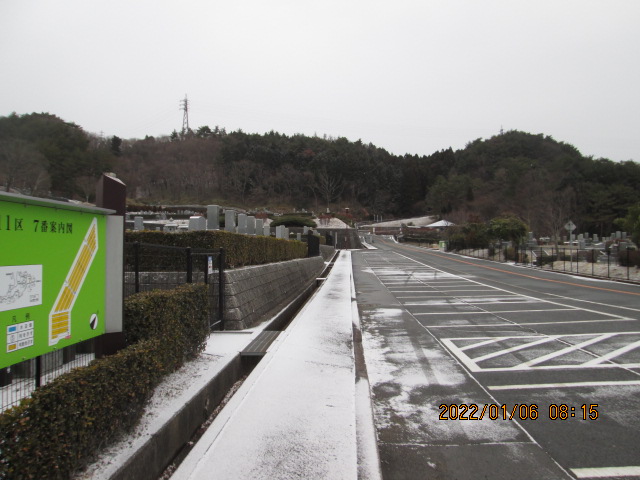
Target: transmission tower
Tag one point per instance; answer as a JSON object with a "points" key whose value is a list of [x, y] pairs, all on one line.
{"points": [[184, 104]]}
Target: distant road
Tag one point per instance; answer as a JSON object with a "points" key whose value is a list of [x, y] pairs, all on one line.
{"points": [[454, 345]]}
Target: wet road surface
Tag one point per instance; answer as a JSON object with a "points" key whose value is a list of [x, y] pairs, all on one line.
{"points": [[487, 370]]}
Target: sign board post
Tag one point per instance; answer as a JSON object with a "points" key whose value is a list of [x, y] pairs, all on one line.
{"points": [[52, 276]]}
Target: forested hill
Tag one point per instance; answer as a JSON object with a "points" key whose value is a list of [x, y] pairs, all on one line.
{"points": [[543, 181]]}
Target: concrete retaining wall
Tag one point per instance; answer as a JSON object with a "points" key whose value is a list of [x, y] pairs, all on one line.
{"points": [[252, 292], [149, 461], [327, 252]]}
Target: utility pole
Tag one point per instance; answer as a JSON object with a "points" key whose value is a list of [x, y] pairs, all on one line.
{"points": [[184, 104]]}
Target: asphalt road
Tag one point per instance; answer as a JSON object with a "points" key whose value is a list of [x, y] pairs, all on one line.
{"points": [[487, 370]]}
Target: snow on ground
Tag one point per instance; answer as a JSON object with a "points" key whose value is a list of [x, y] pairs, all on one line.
{"points": [[416, 221], [294, 417], [330, 223], [599, 270], [168, 398]]}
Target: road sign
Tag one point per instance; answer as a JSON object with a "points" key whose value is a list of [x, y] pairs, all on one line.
{"points": [[570, 226]]}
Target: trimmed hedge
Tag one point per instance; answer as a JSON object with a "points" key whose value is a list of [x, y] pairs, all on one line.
{"points": [[66, 422], [240, 250], [293, 221], [179, 317]]}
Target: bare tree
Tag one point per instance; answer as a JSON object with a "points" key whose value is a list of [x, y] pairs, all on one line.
{"points": [[559, 211], [87, 184], [329, 186], [241, 177], [22, 166]]}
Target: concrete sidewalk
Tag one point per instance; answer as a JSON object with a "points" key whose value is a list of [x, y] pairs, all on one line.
{"points": [[300, 413]]}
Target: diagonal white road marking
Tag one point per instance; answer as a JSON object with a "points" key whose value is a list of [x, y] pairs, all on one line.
{"points": [[612, 354], [483, 343], [550, 338], [564, 351]]}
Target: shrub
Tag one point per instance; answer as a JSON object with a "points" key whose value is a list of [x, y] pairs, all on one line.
{"points": [[629, 258], [240, 250], [56, 430], [65, 422], [291, 221]]}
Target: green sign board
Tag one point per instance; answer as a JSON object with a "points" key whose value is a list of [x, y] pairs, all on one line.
{"points": [[52, 279]]}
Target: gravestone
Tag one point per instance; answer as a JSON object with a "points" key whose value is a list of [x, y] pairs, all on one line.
{"points": [[213, 217], [138, 223], [230, 221], [251, 225], [266, 230], [197, 223], [259, 226], [242, 223], [305, 230], [299, 237]]}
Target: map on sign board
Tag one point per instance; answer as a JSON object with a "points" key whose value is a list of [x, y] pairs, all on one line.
{"points": [[60, 316], [20, 286]]}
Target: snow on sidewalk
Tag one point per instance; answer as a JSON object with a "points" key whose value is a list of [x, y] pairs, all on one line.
{"points": [[168, 398], [295, 416]]}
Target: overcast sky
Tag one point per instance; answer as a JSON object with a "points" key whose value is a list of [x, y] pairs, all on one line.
{"points": [[410, 76]]}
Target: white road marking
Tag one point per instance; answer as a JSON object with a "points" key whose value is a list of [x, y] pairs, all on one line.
{"points": [[467, 325], [506, 351], [572, 348], [535, 386], [482, 344], [613, 354], [479, 312], [533, 364], [606, 472]]}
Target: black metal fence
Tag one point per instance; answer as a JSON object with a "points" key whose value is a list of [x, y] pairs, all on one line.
{"points": [[21, 379], [603, 263], [152, 267]]}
